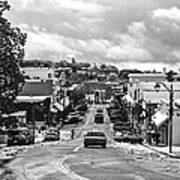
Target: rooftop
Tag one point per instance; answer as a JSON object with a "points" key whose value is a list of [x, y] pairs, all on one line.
{"points": [[37, 88], [146, 75]]}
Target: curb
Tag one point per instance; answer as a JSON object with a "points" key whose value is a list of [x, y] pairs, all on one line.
{"points": [[171, 155]]}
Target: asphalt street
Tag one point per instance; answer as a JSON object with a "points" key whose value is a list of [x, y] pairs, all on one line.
{"points": [[69, 160]]}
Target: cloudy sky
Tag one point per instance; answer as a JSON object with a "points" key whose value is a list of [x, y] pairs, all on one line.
{"points": [[141, 34]]}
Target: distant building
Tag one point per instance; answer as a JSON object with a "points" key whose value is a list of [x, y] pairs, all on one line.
{"points": [[113, 76], [38, 73], [101, 77], [146, 77], [62, 70], [90, 87]]}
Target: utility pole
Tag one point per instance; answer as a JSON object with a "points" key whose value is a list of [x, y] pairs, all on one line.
{"points": [[33, 120], [170, 124]]}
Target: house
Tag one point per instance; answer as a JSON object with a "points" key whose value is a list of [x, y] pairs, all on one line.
{"points": [[112, 76], [103, 88], [154, 101], [83, 70], [62, 70], [36, 98]]}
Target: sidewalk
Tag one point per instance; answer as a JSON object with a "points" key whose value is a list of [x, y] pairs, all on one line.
{"points": [[165, 150]]}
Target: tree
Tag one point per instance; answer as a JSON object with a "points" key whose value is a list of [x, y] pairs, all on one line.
{"points": [[123, 74], [12, 42], [102, 67], [77, 95], [36, 63], [170, 75]]}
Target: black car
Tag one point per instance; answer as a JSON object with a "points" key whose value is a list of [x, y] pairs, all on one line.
{"points": [[122, 126], [51, 136], [21, 136], [95, 139], [99, 118]]}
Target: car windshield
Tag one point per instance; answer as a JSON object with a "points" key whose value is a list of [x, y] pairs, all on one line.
{"points": [[122, 124], [95, 134], [118, 124], [51, 133], [99, 115]]}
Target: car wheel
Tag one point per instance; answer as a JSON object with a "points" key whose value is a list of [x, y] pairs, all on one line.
{"points": [[104, 146]]}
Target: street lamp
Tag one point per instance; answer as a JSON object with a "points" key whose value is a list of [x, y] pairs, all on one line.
{"points": [[170, 127]]}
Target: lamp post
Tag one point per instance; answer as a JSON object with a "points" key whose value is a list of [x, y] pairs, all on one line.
{"points": [[170, 127]]}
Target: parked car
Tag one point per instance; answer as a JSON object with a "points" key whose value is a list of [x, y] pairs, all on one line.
{"points": [[99, 118], [81, 107], [19, 136], [129, 137], [95, 139], [122, 126], [73, 117], [99, 110], [51, 136], [53, 130], [6, 156], [3, 140]]}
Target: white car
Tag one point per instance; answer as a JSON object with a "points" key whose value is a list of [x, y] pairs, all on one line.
{"points": [[10, 150], [8, 154]]}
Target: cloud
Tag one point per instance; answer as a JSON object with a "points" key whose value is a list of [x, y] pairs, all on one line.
{"points": [[122, 32], [172, 14], [129, 53], [132, 45], [137, 28], [41, 44], [165, 27], [79, 6], [166, 19]]}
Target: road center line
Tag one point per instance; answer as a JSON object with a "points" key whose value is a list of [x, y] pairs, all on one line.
{"points": [[77, 148]]}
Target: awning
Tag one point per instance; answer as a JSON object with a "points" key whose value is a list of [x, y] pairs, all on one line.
{"points": [[15, 114], [58, 106], [18, 114], [128, 98], [31, 99], [159, 118], [65, 101]]}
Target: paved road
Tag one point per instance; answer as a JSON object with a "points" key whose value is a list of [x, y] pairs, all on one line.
{"points": [[69, 160]]}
